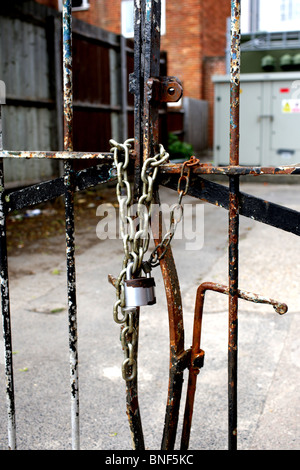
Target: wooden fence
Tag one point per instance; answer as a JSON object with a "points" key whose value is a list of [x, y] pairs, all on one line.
{"points": [[31, 68]]}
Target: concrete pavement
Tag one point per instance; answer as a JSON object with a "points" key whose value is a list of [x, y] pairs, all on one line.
{"points": [[269, 344]]}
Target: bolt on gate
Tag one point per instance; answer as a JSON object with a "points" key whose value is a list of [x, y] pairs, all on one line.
{"points": [[146, 160]]}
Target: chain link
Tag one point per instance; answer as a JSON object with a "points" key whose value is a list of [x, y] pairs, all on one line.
{"points": [[128, 341]]}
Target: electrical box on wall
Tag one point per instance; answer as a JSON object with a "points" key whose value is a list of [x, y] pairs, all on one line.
{"points": [[269, 119]]}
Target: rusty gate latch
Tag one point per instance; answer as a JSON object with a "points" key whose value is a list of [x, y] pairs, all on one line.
{"points": [[164, 89]]}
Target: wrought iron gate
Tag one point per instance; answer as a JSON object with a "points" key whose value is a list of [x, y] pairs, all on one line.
{"points": [[150, 90]]}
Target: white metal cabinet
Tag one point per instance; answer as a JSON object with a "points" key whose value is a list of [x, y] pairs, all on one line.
{"points": [[269, 119]]}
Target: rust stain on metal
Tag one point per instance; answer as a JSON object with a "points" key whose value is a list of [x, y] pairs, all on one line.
{"points": [[235, 81], [232, 170], [65, 155], [176, 334]]}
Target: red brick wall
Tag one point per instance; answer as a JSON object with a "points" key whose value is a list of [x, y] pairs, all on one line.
{"points": [[194, 30], [103, 13], [195, 40], [214, 19], [184, 45]]}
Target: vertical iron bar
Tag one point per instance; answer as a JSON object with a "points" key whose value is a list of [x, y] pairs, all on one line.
{"points": [[151, 69], [146, 62], [233, 311], [69, 212], [146, 130], [57, 25], [151, 55], [124, 87], [5, 306], [235, 81], [233, 224], [132, 401], [138, 96]]}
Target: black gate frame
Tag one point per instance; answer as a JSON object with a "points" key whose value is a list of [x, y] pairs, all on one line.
{"points": [[149, 90]]}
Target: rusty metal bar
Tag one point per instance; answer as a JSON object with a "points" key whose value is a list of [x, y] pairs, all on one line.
{"points": [[197, 355], [69, 181], [65, 155], [146, 68], [250, 206], [233, 311], [48, 190], [150, 123], [132, 402], [151, 52], [136, 88], [176, 333], [178, 356], [124, 86], [235, 81], [193, 369], [165, 169], [233, 224], [232, 170], [5, 308]]}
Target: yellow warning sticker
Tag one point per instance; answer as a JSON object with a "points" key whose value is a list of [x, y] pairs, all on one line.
{"points": [[290, 106]]}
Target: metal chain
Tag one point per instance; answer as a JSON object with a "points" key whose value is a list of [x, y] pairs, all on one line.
{"points": [[135, 241]]}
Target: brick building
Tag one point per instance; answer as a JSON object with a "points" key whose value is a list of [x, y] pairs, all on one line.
{"points": [[194, 37]]}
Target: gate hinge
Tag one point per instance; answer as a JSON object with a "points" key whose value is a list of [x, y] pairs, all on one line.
{"points": [[164, 89]]}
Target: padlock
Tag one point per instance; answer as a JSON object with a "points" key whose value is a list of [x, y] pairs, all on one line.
{"points": [[139, 291]]}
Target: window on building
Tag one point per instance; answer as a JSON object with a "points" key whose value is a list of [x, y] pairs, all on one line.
{"points": [[270, 15], [77, 5], [127, 18], [290, 10], [285, 15]]}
